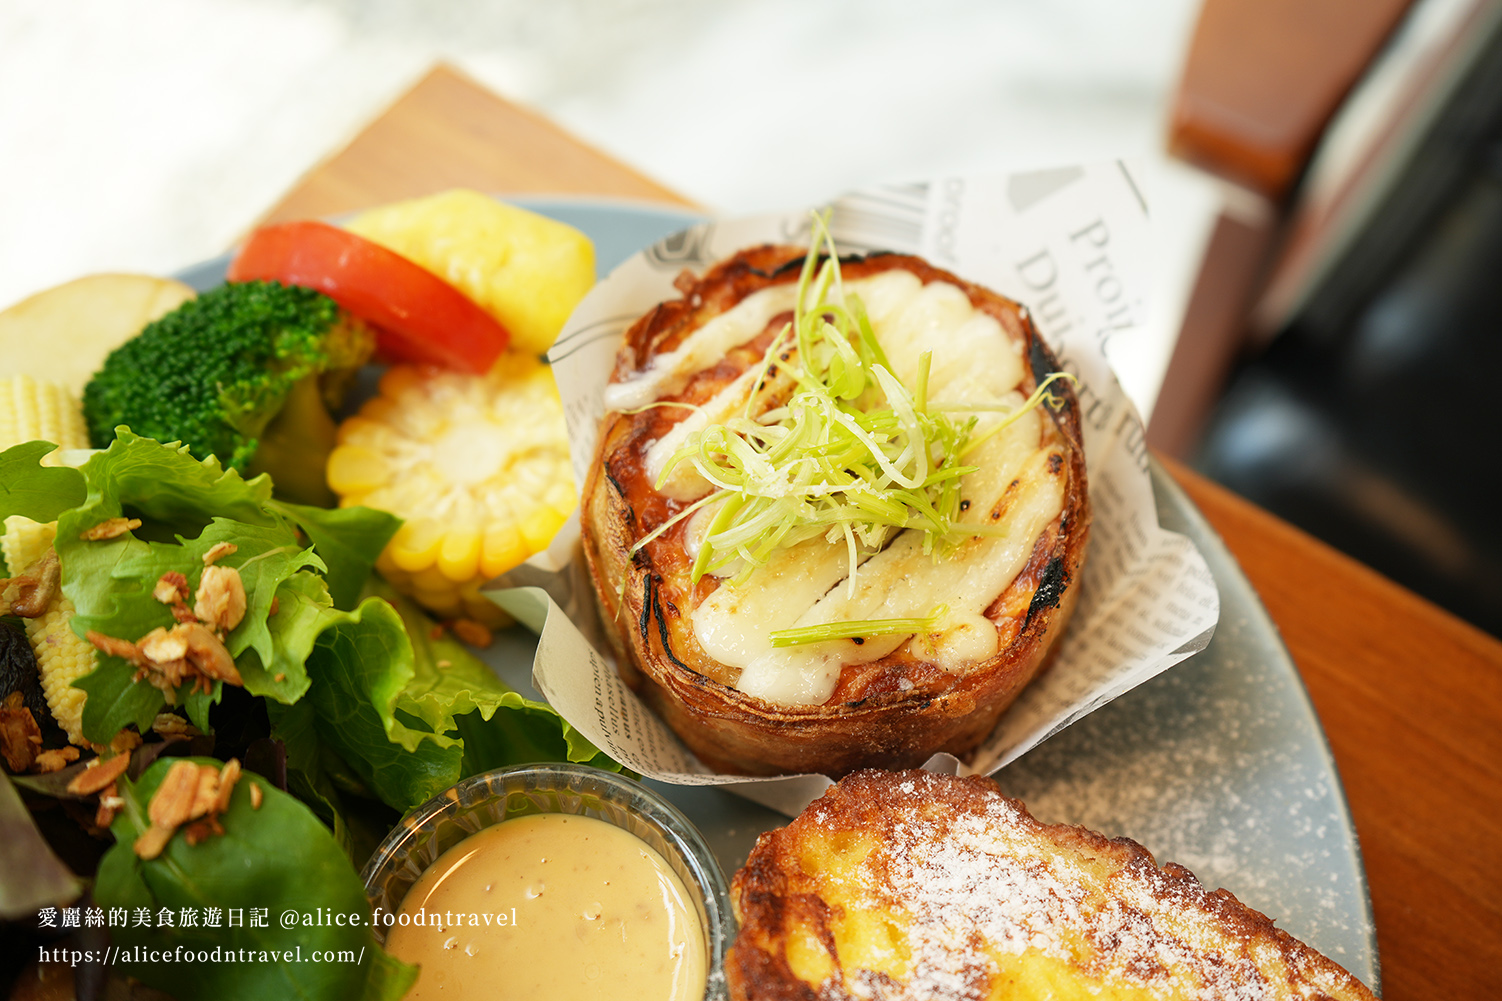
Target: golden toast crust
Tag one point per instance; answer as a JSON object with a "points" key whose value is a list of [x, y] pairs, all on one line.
{"points": [[915, 885], [894, 712]]}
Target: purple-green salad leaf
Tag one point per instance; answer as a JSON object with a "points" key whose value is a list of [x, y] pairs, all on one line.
{"points": [[31, 876], [249, 872]]}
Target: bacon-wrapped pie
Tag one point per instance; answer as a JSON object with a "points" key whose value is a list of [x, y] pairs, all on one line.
{"points": [[838, 512]]}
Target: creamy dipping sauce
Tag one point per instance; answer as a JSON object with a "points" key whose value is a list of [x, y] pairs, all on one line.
{"points": [[578, 907]]}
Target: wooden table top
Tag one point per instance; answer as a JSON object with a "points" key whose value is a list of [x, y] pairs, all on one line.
{"points": [[1410, 696]]}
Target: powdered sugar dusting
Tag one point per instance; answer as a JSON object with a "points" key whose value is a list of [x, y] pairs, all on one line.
{"points": [[970, 877], [1216, 765]]}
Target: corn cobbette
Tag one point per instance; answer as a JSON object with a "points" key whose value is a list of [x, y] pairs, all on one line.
{"points": [[477, 465]]}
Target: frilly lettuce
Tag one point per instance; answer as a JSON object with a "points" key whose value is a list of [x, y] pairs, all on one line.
{"points": [[352, 680]]}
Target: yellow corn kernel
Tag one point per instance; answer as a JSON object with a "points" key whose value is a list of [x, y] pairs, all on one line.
{"points": [[459, 556], [62, 656], [352, 468], [503, 549], [416, 544], [32, 410], [445, 602], [363, 431], [540, 526], [434, 580]]}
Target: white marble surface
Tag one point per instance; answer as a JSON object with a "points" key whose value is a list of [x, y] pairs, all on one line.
{"points": [[147, 134]]}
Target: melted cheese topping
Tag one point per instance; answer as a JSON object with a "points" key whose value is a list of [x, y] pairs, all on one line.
{"points": [[1019, 486]]}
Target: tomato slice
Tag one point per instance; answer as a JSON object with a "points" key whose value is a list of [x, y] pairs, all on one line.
{"points": [[418, 317]]}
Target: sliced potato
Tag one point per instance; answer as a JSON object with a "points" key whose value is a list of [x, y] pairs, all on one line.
{"points": [[526, 270], [63, 334]]}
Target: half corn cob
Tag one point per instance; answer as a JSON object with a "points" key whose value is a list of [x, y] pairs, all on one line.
{"points": [[32, 410], [477, 465]]}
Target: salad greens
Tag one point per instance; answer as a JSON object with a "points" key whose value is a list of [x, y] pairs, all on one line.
{"points": [[362, 707], [246, 872]]}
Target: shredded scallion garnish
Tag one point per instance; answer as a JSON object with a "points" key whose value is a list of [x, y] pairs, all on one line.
{"points": [[856, 629], [853, 455]]}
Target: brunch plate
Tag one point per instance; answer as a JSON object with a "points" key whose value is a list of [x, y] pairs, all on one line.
{"points": [[1219, 764]]}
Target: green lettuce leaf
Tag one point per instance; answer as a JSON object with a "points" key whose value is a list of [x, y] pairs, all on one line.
{"points": [[348, 539], [247, 872], [453, 690], [360, 667], [33, 490], [187, 506], [409, 713]]}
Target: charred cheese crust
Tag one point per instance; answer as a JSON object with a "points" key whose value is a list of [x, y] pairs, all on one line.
{"points": [[893, 712], [916, 885]]}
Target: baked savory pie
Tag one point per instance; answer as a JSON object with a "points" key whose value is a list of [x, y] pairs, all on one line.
{"points": [[775, 429], [899, 885]]}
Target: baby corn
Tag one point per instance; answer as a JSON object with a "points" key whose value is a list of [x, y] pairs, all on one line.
{"points": [[31, 410], [62, 657]]}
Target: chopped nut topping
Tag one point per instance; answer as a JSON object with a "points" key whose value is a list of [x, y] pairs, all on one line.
{"points": [[171, 588], [219, 551], [29, 594], [20, 737], [125, 741], [227, 779], [207, 792], [55, 761], [109, 645], [100, 774], [160, 646], [182, 613], [171, 724], [200, 830], [110, 529], [208, 655], [166, 658], [150, 844], [472, 632], [255, 796], [221, 597], [109, 803], [172, 803], [189, 792]]}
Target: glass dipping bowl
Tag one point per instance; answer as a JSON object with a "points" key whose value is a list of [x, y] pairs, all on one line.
{"points": [[483, 800]]}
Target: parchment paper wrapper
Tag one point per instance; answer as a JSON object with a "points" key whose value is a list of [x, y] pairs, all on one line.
{"points": [[1072, 245]]}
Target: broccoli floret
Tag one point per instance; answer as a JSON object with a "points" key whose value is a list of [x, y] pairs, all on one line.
{"points": [[247, 372]]}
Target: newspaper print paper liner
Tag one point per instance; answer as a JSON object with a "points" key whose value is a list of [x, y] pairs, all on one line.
{"points": [[1071, 245]]}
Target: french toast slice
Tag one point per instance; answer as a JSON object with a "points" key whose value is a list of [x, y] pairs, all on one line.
{"points": [[915, 885]]}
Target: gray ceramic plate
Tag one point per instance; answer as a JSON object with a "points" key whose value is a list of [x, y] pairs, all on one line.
{"points": [[1218, 764]]}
